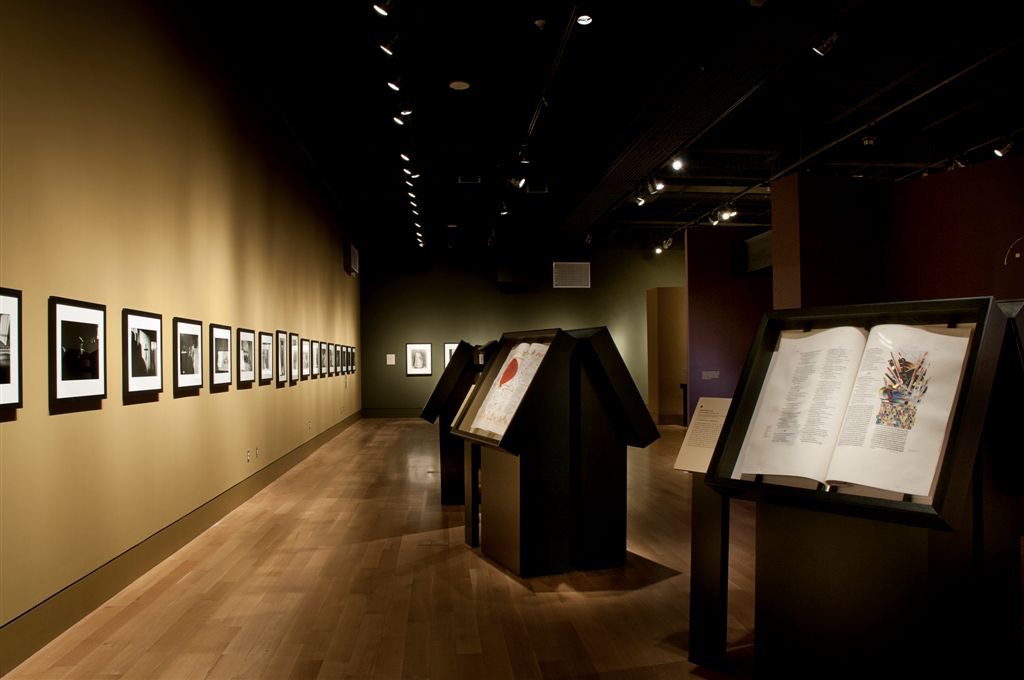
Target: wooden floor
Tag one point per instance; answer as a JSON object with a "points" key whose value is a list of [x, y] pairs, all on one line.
{"points": [[349, 567]]}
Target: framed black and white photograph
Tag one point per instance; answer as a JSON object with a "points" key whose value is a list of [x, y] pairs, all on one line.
{"points": [[337, 359], [10, 349], [314, 351], [352, 359], [417, 358], [293, 349], [449, 350], [142, 352], [282, 358], [220, 355], [246, 357], [331, 359], [305, 358], [266, 358], [187, 355], [323, 359], [78, 349]]}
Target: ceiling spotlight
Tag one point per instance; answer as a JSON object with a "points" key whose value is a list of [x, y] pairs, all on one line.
{"points": [[398, 121], [1003, 151], [667, 244], [657, 250], [406, 112], [407, 171], [504, 209], [677, 164], [417, 225], [420, 234], [518, 182], [415, 175], [584, 20], [640, 200], [413, 204], [726, 214], [415, 212], [389, 47], [405, 157], [822, 48], [658, 185], [409, 183], [412, 195], [459, 85], [382, 8], [395, 84], [713, 219]]}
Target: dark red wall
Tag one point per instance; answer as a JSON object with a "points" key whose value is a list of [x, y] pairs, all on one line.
{"points": [[724, 308], [948, 233]]}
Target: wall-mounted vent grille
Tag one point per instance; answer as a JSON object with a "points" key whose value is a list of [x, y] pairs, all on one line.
{"points": [[571, 274]]}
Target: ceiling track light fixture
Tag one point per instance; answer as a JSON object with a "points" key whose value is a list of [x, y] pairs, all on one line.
{"points": [[407, 171], [1000, 152], [677, 164], [398, 120], [405, 157], [584, 19], [383, 8], [503, 210], [389, 47], [640, 200], [405, 112], [823, 47], [395, 84]]}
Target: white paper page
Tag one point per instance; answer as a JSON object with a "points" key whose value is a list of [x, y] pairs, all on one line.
{"points": [[901, 407], [801, 405], [508, 388], [702, 434]]}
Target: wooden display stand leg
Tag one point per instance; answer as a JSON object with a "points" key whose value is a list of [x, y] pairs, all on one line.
{"points": [[709, 574], [452, 482], [471, 477]]}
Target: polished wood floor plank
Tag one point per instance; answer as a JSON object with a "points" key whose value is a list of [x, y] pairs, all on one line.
{"points": [[348, 566]]}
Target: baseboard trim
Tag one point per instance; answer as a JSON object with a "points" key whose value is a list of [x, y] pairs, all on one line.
{"points": [[391, 412], [26, 634]]}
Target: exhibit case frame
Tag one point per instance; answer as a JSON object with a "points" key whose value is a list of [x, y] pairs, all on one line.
{"points": [[553, 473], [455, 382], [943, 506]]}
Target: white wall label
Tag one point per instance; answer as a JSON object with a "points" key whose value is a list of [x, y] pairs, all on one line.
{"points": [[389, 359]]}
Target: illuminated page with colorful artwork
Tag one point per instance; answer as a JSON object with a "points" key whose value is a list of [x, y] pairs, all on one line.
{"points": [[898, 417], [508, 388], [844, 407]]}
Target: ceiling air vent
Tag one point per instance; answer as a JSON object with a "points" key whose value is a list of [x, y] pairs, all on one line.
{"points": [[571, 274]]}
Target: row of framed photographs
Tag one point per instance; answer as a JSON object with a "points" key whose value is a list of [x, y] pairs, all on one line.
{"points": [[77, 354], [418, 357]]}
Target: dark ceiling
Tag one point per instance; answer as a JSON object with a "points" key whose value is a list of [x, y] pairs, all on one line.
{"points": [[732, 88]]}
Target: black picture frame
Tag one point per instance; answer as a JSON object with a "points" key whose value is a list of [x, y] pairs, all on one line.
{"points": [[324, 349], [266, 354], [337, 359], [11, 356], [187, 356], [314, 359], [281, 346], [352, 359], [245, 357], [221, 364], [332, 359], [78, 374], [142, 375], [418, 359], [306, 358], [294, 359]]}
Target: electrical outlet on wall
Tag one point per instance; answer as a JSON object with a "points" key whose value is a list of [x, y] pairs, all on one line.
{"points": [[248, 455], [257, 452]]}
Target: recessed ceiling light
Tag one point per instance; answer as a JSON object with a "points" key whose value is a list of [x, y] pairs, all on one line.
{"points": [[584, 20], [459, 85], [677, 164]]}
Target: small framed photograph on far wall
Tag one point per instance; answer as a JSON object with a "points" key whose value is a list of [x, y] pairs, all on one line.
{"points": [[323, 359], [449, 350], [305, 358], [187, 356], [142, 352], [220, 356], [282, 358], [417, 358], [294, 354], [330, 359], [314, 352], [266, 358], [246, 357], [10, 349], [78, 348]]}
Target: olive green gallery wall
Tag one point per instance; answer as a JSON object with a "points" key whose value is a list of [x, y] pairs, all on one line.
{"points": [[131, 179], [450, 302]]}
